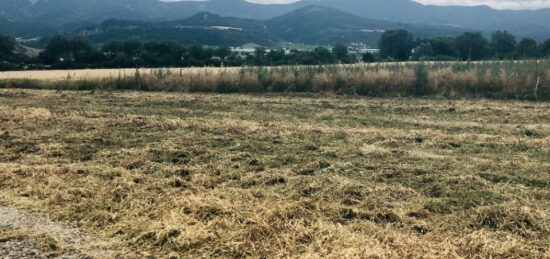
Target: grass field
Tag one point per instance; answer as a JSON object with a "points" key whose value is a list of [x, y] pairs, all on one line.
{"points": [[506, 80], [205, 175], [90, 74]]}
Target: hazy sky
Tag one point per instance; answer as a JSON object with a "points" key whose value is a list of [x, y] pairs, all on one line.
{"points": [[499, 4]]}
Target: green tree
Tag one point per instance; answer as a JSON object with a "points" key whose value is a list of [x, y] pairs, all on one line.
{"points": [[340, 52], [57, 50], [472, 46], [545, 49], [198, 53], [7, 47], [368, 57], [323, 55], [69, 53], [276, 56], [83, 53], [111, 48], [424, 51], [444, 47], [131, 48], [528, 48], [223, 52], [396, 44], [503, 44], [260, 56]]}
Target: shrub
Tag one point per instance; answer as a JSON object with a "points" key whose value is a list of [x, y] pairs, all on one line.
{"points": [[421, 86]]}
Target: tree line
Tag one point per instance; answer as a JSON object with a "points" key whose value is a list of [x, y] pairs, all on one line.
{"points": [[64, 52], [401, 45], [395, 45]]}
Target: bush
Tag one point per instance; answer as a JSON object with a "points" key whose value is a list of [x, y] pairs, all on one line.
{"points": [[422, 83]]}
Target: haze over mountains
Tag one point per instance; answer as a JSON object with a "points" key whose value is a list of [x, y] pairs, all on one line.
{"points": [[315, 25], [286, 22]]}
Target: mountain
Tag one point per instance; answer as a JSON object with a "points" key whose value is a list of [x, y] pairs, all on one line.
{"points": [[533, 23], [202, 28], [61, 12], [316, 25], [322, 25], [23, 29], [58, 13]]}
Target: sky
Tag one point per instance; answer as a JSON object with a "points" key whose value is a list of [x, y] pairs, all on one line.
{"points": [[498, 4]]}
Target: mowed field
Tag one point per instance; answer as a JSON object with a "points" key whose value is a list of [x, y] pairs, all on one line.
{"points": [[263, 176]]}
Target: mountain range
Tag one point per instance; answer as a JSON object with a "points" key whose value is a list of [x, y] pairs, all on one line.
{"points": [[35, 17], [314, 25]]}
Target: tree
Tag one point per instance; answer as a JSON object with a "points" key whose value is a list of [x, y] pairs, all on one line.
{"points": [[58, 49], [444, 47], [111, 48], [7, 47], [198, 53], [223, 52], [503, 44], [472, 46], [67, 52], [260, 56], [368, 57], [424, 51], [545, 49], [340, 52], [323, 55], [528, 48], [131, 48], [83, 53], [396, 44]]}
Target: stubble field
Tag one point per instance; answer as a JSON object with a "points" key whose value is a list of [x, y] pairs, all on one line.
{"points": [[205, 175]]}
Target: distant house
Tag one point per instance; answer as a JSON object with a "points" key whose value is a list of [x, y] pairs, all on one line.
{"points": [[243, 52], [361, 48]]}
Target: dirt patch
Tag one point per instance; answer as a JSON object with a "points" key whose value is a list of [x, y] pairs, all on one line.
{"points": [[72, 242]]}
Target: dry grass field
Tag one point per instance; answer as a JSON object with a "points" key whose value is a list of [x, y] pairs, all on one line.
{"points": [[265, 176], [506, 80], [81, 74]]}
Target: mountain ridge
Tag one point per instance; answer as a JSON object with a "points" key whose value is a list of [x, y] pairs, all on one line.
{"points": [[58, 13], [313, 25]]}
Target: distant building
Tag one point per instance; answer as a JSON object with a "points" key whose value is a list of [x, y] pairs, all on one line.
{"points": [[243, 52], [361, 48], [23, 40]]}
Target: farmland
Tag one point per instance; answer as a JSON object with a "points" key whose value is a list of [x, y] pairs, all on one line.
{"points": [[275, 175], [91, 74]]}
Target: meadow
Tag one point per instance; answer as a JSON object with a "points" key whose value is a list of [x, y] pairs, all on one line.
{"points": [[302, 175], [523, 80]]}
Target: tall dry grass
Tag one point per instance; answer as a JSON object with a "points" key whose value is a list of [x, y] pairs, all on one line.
{"points": [[500, 80]]}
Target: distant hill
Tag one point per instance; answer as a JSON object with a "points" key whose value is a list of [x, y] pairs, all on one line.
{"points": [[58, 14], [483, 18], [202, 28], [316, 25], [22, 29], [322, 25]]}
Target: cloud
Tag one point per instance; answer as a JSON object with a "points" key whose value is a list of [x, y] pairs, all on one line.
{"points": [[498, 4], [273, 1]]}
